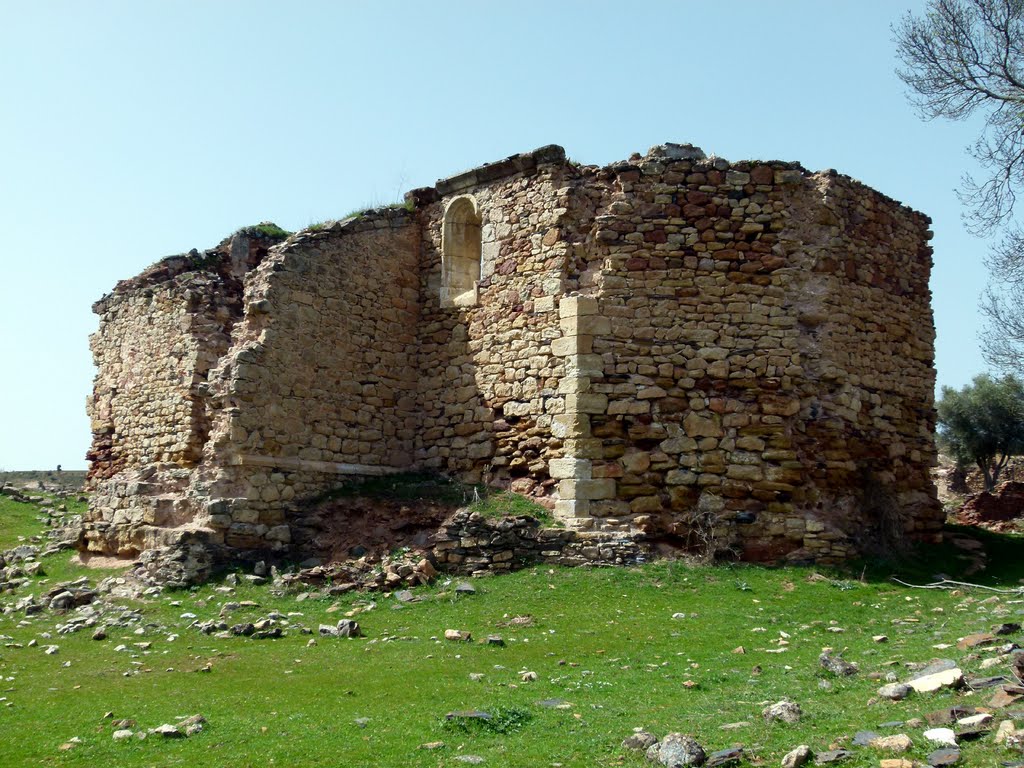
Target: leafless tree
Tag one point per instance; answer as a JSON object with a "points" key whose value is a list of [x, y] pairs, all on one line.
{"points": [[960, 59]]}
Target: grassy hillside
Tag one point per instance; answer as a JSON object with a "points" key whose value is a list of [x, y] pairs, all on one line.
{"points": [[667, 647]]}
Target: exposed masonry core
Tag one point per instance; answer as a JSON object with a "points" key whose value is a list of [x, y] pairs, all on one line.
{"points": [[675, 348]]}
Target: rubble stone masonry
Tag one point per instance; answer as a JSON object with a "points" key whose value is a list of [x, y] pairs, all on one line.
{"points": [[731, 357]]}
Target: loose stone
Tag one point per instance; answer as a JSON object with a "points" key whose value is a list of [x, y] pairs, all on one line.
{"points": [[941, 736], [797, 757], [784, 711], [677, 750]]}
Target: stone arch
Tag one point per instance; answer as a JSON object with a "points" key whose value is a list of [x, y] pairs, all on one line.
{"points": [[460, 253]]}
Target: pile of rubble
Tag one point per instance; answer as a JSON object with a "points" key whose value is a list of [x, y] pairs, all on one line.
{"points": [[405, 568]]}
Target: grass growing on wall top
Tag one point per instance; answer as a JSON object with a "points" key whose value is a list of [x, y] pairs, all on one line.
{"points": [[268, 229]]}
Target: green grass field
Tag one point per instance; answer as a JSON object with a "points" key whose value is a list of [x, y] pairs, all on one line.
{"points": [[655, 646], [19, 522]]}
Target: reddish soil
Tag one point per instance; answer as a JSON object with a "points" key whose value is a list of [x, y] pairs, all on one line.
{"points": [[1001, 510], [340, 529]]}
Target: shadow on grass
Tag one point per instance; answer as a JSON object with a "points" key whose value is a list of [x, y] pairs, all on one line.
{"points": [[928, 563]]}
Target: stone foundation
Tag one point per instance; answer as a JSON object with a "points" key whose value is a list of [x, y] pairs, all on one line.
{"points": [[471, 544]]}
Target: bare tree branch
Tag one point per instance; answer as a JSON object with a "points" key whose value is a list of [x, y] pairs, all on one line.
{"points": [[960, 58]]}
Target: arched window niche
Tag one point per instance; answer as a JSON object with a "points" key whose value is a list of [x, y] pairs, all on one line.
{"points": [[460, 253]]}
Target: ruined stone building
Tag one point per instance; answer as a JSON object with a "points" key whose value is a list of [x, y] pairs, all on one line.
{"points": [[663, 345]]}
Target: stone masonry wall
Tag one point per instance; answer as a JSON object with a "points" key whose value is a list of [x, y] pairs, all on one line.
{"points": [[760, 370], [160, 334], [321, 381], [309, 378], [731, 357], [144, 407], [490, 402], [472, 544]]}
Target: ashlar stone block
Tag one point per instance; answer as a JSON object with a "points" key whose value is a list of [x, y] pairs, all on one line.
{"points": [[568, 509], [574, 306], [566, 468], [587, 490], [585, 325], [587, 402], [590, 366], [566, 425]]}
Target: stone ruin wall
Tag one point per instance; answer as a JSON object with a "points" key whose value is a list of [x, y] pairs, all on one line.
{"points": [[319, 383], [489, 395], [735, 356], [311, 379], [758, 360], [160, 334]]}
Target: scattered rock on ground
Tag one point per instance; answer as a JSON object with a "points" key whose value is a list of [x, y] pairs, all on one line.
{"points": [[976, 640], [168, 731], [947, 716], [725, 758], [832, 756], [942, 757], [941, 736], [899, 742], [863, 738], [836, 664], [785, 711], [797, 757], [677, 750], [640, 740], [971, 721], [949, 678], [895, 691], [1004, 731]]}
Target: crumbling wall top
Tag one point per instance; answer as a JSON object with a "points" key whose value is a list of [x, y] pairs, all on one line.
{"points": [[212, 261]]}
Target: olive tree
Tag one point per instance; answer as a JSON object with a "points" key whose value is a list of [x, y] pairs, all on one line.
{"points": [[983, 424]]}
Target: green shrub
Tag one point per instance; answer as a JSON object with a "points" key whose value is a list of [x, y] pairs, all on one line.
{"points": [[502, 720]]}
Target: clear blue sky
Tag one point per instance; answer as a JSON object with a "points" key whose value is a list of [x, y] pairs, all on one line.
{"points": [[132, 130]]}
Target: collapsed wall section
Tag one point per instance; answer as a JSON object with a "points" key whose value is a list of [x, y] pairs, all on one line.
{"points": [[144, 407], [232, 383], [159, 336]]}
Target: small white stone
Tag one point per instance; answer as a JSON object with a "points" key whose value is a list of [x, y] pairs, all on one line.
{"points": [[941, 736]]}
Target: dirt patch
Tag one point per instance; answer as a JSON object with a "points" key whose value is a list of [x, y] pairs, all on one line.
{"points": [[341, 529], [1002, 510], [100, 561]]}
